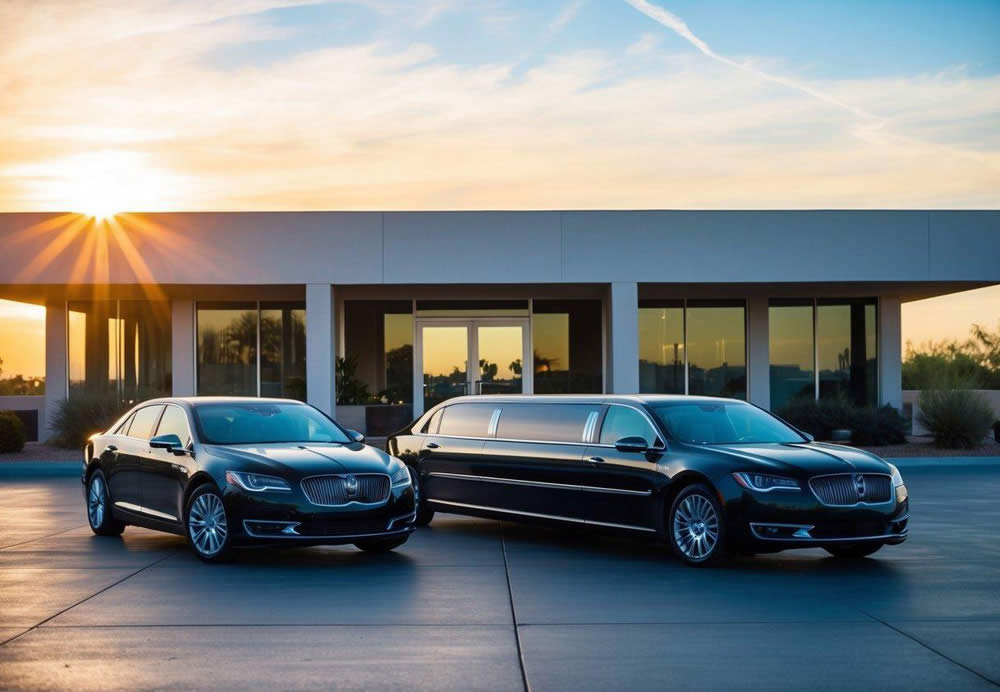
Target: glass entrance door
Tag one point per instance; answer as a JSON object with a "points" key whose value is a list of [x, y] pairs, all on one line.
{"points": [[470, 356]]}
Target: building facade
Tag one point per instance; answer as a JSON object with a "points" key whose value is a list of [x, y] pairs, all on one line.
{"points": [[375, 316]]}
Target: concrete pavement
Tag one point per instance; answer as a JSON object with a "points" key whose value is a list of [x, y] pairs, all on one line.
{"points": [[475, 604]]}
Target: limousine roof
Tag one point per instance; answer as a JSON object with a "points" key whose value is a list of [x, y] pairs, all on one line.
{"points": [[586, 398]]}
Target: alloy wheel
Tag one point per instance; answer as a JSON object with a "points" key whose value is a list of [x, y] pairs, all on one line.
{"points": [[696, 527], [207, 524], [95, 501]]}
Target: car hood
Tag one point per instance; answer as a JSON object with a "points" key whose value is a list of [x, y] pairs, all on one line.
{"points": [[811, 458], [304, 459]]}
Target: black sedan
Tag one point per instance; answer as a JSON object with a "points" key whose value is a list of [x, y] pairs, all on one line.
{"points": [[707, 476], [227, 472]]}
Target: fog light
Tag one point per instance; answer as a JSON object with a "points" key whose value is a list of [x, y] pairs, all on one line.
{"points": [[261, 528]]}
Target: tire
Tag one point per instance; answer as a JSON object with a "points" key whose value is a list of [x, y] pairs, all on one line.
{"points": [[381, 545], [695, 529], [99, 514], [853, 551], [424, 513], [206, 525]]}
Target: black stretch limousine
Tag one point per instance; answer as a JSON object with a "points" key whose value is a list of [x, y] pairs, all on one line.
{"points": [[706, 475]]}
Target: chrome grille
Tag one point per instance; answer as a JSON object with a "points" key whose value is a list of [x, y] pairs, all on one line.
{"points": [[842, 489], [332, 491]]}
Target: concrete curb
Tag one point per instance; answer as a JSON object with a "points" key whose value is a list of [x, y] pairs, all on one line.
{"points": [[941, 462], [40, 469]]}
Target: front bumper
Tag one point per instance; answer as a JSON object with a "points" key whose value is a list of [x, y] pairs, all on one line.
{"points": [[783, 520], [289, 518]]}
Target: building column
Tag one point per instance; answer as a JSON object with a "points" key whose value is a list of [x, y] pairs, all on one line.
{"points": [[758, 353], [624, 341], [56, 364], [890, 352], [321, 342], [183, 350]]}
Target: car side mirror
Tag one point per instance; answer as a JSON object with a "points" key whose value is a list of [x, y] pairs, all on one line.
{"points": [[809, 436], [632, 443], [169, 442], [355, 436]]}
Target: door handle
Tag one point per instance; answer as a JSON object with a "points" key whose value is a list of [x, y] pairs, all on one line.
{"points": [[597, 460], [111, 448], [432, 445]]}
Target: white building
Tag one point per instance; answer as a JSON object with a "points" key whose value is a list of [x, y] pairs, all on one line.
{"points": [[766, 306]]}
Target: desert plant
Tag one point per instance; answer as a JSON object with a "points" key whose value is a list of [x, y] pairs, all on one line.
{"points": [[957, 418], [12, 434], [869, 426], [82, 415]]}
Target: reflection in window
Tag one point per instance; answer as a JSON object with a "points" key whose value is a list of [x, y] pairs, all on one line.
{"points": [[716, 350], [567, 356], [661, 347], [791, 352], [846, 349], [378, 340], [283, 350], [227, 349], [120, 349], [22, 349]]}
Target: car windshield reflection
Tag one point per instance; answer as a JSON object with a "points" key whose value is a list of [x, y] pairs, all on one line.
{"points": [[718, 423], [253, 423]]}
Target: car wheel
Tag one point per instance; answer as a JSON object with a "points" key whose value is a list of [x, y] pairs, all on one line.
{"points": [[853, 551], [694, 527], [381, 545], [99, 507], [424, 513], [208, 529]]}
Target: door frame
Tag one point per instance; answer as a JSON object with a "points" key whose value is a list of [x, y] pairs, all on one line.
{"points": [[472, 325]]}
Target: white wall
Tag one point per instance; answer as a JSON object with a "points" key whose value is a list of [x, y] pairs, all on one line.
{"points": [[517, 247]]}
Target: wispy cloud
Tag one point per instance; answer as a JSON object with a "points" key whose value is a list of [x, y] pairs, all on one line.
{"points": [[565, 16], [680, 27]]}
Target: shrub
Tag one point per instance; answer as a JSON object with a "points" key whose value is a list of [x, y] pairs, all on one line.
{"points": [[869, 426], [957, 418], [12, 434], [82, 415]]}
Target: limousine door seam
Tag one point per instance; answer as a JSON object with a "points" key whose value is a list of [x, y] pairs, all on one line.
{"points": [[542, 484]]}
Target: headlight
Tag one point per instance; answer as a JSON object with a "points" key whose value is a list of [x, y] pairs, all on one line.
{"points": [[764, 483], [255, 482], [400, 476], [897, 478]]}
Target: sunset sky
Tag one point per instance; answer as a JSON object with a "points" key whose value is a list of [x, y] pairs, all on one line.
{"points": [[113, 105]]}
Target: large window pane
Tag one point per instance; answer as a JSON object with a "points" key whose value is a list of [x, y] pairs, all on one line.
{"points": [[567, 353], [661, 348], [716, 346], [791, 352], [93, 347], [846, 350], [378, 338], [283, 350], [398, 357], [227, 349], [22, 349], [145, 347]]}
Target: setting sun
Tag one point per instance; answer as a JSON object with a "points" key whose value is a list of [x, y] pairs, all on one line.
{"points": [[103, 183]]}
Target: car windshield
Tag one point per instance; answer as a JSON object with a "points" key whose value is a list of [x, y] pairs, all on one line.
{"points": [[259, 423], [718, 423]]}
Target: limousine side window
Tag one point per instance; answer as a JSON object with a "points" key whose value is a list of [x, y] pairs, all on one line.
{"points": [[466, 420], [544, 422], [623, 421], [143, 422]]}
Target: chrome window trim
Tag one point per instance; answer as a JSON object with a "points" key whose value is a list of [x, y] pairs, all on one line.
{"points": [[540, 484], [352, 503], [892, 494], [574, 520], [491, 429], [588, 428], [659, 436]]}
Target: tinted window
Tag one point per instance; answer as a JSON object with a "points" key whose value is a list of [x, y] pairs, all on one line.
{"points": [[174, 422], [143, 422], [723, 423], [434, 422], [623, 421], [260, 423], [122, 427], [547, 422], [466, 420]]}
